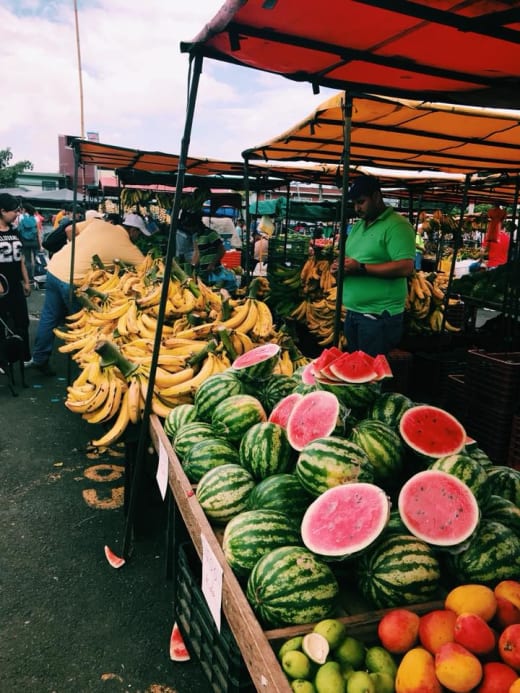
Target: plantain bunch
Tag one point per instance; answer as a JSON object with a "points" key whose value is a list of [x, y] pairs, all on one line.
{"points": [[425, 303]]}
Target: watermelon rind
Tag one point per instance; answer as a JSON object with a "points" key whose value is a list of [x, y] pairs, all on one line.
{"points": [[190, 433], [504, 481], [291, 586], [258, 363], [314, 416], [438, 508], [275, 388], [502, 510], [356, 396], [223, 492], [207, 454], [265, 450], [233, 416], [468, 470], [389, 407], [431, 431], [399, 570], [280, 412], [383, 447], [282, 492], [213, 390], [176, 417], [345, 520]]}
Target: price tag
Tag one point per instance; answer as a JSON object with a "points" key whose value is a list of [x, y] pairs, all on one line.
{"points": [[211, 581], [162, 470]]}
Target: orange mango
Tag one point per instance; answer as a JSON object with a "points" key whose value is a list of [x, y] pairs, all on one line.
{"points": [[475, 599], [398, 630], [457, 668], [506, 614], [497, 677], [509, 646], [436, 628], [416, 673], [515, 687], [474, 634], [510, 590]]}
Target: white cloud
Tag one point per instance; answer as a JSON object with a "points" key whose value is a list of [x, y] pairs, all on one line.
{"points": [[134, 81]]}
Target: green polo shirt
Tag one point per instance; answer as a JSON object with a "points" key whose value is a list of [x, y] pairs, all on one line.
{"points": [[390, 237]]}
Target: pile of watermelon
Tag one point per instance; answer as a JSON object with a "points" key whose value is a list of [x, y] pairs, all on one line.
{"points": [[321, 475]]}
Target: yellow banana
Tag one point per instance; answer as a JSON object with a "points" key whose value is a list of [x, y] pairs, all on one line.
{"points": [[118, 427], [209, 367], [240, 314], [151, 298], [93, 402], [246, 341], [263, 329], [109, 407], [160, 408], [133, 400], [251, 317]]}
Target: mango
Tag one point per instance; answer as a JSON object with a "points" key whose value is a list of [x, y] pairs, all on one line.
{"points": [[360, 682], [506, 614], [416, 672], [296, 665], [497, 677], [384, 683], [329, 679], [474, 634], [457, 668], [398, 630], [476, 599], [377, 659], [515, 687], [333, 630], [302, 686], [436, 628], [509, 646], [510, 590], [350, 651]]}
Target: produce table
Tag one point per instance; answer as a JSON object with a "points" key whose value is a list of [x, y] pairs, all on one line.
{"points": [[257, 646]]}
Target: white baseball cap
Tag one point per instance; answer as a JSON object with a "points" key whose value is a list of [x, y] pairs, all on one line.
{"points": [[137, 222], [93, 214]]}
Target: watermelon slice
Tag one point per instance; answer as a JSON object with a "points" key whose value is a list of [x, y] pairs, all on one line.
{"points": [[432, 431], [326, 357], [178, 650], [314, 416], [356, 367], [281, 412], [309, 374], [345, 520], [382, 367], [439, 508], [257, 363], [113, 560]]}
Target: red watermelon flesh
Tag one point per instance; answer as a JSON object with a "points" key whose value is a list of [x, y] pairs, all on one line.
{"points": [[326, 373], [356, 367], [314, 416], [309, 374], [326, 357], [438, 508], [256, 355], [382, 367], [178, 651], [431, 431], [281, 412], [345, 519]]}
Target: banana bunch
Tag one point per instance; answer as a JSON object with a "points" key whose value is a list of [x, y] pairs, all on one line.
{"points": [[425, 304], [316, 277], [318, 316]]}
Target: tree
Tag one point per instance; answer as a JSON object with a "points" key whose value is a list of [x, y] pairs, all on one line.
{"points": [[8, 173]]}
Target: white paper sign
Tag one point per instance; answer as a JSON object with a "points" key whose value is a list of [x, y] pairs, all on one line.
{"points": [[211, 581], [162, 470]]}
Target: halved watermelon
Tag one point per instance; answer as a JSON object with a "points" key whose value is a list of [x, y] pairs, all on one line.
{"points": [[257, 363], [432, 431], [345, 520], [438, 508], [314, 416], [281, 411], [308, 374]]}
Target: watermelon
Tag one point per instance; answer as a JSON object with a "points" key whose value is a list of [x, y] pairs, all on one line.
{"points": [[223, 492], [282, 492], [181, 414], [189, 434], [468, 470], [213, 390], [257, 364], [355, 367], [400, 570], [281, 411], [291, 586], [316, 415], [383, 447], [504, 481], [328, 462], [327, 356], [275, 388], [493, 555], [388, 407], [354, 396], [345, 520], [206, 454], [308, 376], [232, 417], [479, 455], [264, 450], [253, 533], [395, 524], [439, 509], [504, 511], [431, 431], [382, 367]]}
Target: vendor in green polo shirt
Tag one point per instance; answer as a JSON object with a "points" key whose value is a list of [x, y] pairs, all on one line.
{"points": [[379, 256]]}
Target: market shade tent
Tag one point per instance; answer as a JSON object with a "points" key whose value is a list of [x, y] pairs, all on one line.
{"points": [[466, 53]]}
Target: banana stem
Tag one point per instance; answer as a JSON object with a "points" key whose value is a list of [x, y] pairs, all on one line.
{"points": [[226, 342], [227, 310], [85, 302], [199, 356], [111, 356], [254, 288], [94, 293], [97, 262], [184, 278]]}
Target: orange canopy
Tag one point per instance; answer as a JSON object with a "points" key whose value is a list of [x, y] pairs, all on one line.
{"points": [[455, 52]]}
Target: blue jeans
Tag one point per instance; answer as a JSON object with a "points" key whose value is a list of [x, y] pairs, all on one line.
{"points": [[371, 334], [418, 261], [55, 308]]}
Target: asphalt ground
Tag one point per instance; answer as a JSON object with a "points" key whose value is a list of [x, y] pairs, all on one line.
{"points": [[68, 621]]}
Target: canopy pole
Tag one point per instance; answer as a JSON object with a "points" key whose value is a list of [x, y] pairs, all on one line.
{"points": [[347, 132], [457, 243], [168, 262], [248, 245], [73, 247]]}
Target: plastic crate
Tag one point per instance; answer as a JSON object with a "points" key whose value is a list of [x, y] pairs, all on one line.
{"points": [[218, 653], [490, 428], [292, 250], [401, 363], [232, 258], [431, 371], [494, 379], [455, 398]]}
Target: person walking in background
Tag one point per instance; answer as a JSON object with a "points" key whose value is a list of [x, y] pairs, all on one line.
{"points": [[98, 237], [496, 216], [493, 252], [419, 247], [14, 280], [379, 256], [30, 235]]}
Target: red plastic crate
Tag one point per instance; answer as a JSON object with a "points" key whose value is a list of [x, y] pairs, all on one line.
{"points": [[232, 258]]}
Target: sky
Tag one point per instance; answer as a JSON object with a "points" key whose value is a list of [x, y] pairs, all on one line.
{"points": [[135, 81]]}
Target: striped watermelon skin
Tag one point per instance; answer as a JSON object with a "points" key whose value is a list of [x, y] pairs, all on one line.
{"points": [[206, 454], [214, 390], [389, 407], [265, 450], [492, 555], [504, 481], [502, 510], [179, 415], [356, 396], [253, 533], [400, 570], [257, 364], [235, 415], [282, 492], [223, 491], [327, 462], [274, 389], [383, 447], [189, 434], [290, 586], [468, 470]]}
